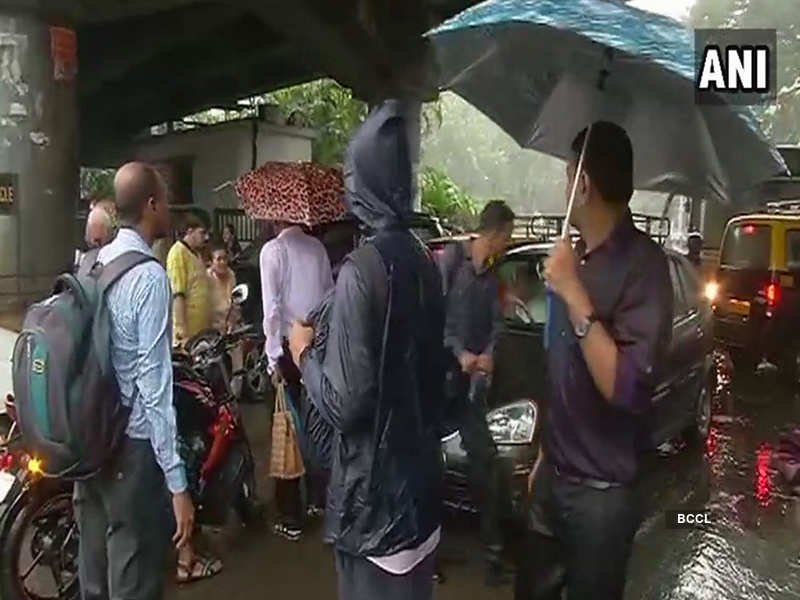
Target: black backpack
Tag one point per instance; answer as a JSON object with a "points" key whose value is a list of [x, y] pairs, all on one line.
{"points": [[66, 392]]}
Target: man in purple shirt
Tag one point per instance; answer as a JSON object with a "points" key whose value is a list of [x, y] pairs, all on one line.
{"points": [[610, 328]]}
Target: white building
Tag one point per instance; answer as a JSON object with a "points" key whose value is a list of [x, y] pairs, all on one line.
{"points": [[198, 161]]}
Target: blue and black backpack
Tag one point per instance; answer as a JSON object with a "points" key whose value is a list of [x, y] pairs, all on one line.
{"points": [[66, 392]]}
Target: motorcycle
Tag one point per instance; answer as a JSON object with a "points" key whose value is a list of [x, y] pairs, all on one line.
{"points": [[38, 533]]}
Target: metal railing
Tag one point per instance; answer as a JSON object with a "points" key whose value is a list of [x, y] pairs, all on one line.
{"points": [[784, 207], [547, 228], [247, 229]]}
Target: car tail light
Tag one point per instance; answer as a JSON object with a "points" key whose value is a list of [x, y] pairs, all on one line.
{"points": [[7, 461], [772, 296], [772, 293]]}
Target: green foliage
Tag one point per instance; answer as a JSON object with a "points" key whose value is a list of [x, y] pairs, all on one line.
{"points": [[779, 120], [97, 183], [482, 159], [443, 198], [329, 108]]}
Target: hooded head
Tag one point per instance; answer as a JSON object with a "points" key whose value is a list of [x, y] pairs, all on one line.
{"points": [[377, 169]]}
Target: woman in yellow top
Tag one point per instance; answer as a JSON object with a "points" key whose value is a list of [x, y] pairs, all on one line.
{"points": [[191, 293]]}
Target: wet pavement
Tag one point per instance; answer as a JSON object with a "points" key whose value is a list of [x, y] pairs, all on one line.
{"points": [[752, 548], [750, 551]]}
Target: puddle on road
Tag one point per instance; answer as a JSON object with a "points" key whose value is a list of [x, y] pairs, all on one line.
{"points": [[751, 551]]}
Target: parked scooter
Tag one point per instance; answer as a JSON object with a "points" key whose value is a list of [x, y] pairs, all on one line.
{"points": [[38, 533]]}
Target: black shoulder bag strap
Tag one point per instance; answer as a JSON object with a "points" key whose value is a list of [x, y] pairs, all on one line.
{"points": [[370, 263]]}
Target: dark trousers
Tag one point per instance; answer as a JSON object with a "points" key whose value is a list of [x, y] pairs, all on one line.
{"points": [[360, 579], [317, 486], [125, 527], [483, 467], [579, 537], [289, 502], [288, 498]]}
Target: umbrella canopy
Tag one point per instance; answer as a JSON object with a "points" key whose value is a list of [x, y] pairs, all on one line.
{"points": [[544, 69], [294, 192]]}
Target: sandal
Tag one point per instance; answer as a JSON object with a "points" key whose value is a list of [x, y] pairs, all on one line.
{"points": [[287, 532], [202, 567]]}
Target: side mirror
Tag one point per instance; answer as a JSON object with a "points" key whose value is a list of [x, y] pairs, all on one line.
{"points": [[240, 293]]}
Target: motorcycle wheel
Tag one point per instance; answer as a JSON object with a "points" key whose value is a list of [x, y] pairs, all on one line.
{"points": [[249, 508], [256, 382], [39, 547]]}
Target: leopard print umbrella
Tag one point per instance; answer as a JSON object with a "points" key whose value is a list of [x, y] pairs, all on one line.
{"points": [[302, 192]]}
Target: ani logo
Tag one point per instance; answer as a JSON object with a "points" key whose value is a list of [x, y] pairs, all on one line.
{"points": [[736, 69], [736, 66]]}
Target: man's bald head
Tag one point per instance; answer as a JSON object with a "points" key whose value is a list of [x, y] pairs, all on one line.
{"points": [[99, 227], [135, 184]]}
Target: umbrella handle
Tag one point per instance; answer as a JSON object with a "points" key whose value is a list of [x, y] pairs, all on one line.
{"points": [[578, 173], [564, 235], [548, 322]]}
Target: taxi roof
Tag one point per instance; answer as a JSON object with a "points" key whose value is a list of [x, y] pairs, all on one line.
{"points": [[764, 217]]}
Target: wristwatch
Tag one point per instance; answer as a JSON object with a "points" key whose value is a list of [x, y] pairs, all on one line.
{"points": [[584, 325]]}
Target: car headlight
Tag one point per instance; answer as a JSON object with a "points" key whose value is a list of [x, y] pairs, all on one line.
{"points": [[711, 291], [514, 423]]}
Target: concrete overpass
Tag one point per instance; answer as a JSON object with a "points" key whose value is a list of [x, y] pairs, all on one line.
{"points": [[81, 77]]}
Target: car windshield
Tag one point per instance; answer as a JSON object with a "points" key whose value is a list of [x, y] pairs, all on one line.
{"points": [[524, 291], [746, 246]]}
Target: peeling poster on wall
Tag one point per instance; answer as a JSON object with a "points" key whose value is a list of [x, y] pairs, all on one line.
{"points": [[64, 51]]}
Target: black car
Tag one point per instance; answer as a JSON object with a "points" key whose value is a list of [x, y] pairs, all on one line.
{"points": [[518, 399]]}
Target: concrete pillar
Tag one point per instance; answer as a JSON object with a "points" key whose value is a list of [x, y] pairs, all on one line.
{"points": [[38, 156]]}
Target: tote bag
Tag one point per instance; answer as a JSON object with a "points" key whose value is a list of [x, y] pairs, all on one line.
{"points": [[285, 460]]}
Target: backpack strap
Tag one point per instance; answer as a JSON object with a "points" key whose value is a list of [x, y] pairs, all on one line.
{"points": [[88, 261], [116, 268], [368, 259]]}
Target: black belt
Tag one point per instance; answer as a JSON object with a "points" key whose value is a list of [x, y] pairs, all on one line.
{"points": [[587, 481]]}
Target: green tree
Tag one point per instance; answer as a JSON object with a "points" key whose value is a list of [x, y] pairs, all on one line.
{"points": [[440, 196], [327, 107], [781, 119], [96, 184]]}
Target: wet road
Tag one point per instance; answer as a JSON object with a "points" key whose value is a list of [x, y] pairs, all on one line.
{"points": [[750, 551]]}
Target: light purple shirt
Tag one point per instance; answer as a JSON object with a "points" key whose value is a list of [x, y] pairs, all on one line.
{"points": [[295, 274]]}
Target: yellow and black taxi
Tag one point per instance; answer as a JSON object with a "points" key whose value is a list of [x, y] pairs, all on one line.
{"points": [[755, 290]]}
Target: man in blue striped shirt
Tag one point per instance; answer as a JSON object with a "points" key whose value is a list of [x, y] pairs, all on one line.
{"points": [[123, 539]]}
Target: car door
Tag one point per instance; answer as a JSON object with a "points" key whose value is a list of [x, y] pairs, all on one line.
{"points": [[520, 363], [668, 414], [697, 332]]}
